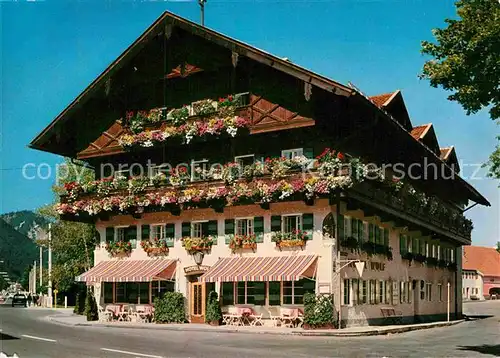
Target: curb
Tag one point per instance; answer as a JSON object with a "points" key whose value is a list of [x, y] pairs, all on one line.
{"points": [[305, 333]]}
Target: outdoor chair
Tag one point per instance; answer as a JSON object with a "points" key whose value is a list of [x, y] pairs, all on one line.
{"points": [[274, 316], [255, 319], [289, 316], [104, 316]]}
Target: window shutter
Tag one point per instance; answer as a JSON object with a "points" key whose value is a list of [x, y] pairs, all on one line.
{"points": [[131, 235], [386, 237], [341, 227], [170, 234], [347, 226], [110, 234], [228, 230], [308, 153], [145, 232], [361, 231], [275, 223], [212, 230], [186, 229], [258, 228], [371, 232], [402, 244]]}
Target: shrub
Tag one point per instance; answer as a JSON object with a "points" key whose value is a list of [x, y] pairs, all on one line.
{"points": [[80, 302], [170, 308], [319, 311], [214, 313], [91, 307]]}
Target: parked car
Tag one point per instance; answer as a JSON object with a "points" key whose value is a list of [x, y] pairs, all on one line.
{"points": [[19, 299]]}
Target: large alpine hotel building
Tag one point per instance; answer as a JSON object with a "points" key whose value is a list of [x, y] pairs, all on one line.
{"points": [[276, 197]]}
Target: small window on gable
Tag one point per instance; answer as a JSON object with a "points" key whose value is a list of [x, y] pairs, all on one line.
{"points": [[292, 153]]}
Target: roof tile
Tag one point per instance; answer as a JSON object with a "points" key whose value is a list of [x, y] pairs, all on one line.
{"points": [[381, 99], [484, 259], [418, 132]]}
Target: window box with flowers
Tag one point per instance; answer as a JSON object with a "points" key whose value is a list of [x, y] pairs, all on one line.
{"points": [[119, 248], [296, 238], [372, 248], [193, 244], [241, 242], [155, 247], [431, 261]]}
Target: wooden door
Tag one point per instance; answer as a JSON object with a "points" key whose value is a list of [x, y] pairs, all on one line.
{"points": [[197, 302]]}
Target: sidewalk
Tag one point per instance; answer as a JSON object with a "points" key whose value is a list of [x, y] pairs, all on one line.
{"points": [[76, 320]]}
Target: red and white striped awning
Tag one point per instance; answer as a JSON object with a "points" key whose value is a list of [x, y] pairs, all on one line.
{"points": [[278, 268], [130, 271]]}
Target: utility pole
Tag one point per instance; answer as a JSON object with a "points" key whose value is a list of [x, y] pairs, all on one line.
{"points": [[33, 289], [202, 8], [50, 267], [41, 263]]}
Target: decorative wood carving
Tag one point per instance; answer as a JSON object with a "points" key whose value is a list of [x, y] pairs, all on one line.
{"points": [[307, 91], [234, 59], [188, 70], [168, 30]]}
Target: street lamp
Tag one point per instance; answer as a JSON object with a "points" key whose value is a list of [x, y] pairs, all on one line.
{"points": [[198, 257]]}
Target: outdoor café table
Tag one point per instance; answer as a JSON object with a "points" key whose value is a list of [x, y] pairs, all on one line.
{"points": [[114, 309], [243, 315], [289, 316]]}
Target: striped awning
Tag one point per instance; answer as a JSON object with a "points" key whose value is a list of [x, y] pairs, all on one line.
{"points": [[278, 268], [129, 271]]}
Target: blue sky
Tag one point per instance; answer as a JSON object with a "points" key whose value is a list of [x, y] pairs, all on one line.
{"points": [[50, 51]]}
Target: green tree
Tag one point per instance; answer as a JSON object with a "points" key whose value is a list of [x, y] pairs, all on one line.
{"points": [[498, 246], [466, 61], [73, 243], [3, 284]]}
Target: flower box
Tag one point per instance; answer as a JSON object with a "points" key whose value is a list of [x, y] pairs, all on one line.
{"points": [[296, 238], [291, 243], [119, 248], [193, 244], [239, 242], [155, 247]]}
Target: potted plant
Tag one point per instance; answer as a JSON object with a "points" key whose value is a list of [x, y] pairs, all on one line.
{"points": [[243, 242], [213, 313], [119, 248], [289, 239], [155, 247], [192, 244]]}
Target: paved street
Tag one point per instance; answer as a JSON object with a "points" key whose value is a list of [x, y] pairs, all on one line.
{"points": [[27, 333]]}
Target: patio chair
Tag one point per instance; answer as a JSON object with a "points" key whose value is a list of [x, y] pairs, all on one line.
{"points": [[288, 317], [274, 315], [104, 316], [255, 319]]}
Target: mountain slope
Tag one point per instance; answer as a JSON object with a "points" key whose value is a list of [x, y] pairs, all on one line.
{"points": [[25, 221], [16, 250]]}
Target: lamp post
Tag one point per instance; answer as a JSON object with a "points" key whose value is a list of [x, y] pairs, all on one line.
{"points": [[202, 9], [50, 267], [198, 257]]}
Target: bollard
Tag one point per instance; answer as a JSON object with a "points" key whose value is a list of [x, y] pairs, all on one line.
{"points": [[65, 301]]}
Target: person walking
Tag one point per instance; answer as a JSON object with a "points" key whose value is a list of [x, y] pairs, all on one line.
{"points": [[29, 300]]}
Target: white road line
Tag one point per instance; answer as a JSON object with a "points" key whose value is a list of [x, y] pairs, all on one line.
{"points": [[38, 338], [131, 353]]}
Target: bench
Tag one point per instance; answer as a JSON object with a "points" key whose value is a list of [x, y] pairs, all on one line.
{"points": [[390, 314]]}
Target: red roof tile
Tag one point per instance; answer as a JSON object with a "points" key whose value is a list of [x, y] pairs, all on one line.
{"points": [[419, 132], [381, 99], [484, 259]]}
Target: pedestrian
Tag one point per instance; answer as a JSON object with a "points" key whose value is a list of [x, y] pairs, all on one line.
{"points": [[35, 299], [30, 298]]}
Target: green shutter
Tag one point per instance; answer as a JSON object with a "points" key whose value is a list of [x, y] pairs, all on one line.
{"points": [[361, 231], [386, 237], [275, 223], [170, 234], [308, 153], [131, 235], [308, 225], [228, 230], [258, 229], [402, 244], [212, 230], [186, 229], [145, 232], [371, 232], [110, 234], [340, 228]]}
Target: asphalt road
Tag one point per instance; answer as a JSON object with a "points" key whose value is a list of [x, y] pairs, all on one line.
{"points": [[28, 333]]}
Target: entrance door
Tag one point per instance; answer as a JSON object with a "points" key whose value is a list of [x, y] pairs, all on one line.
{"points": [[197, 304]]}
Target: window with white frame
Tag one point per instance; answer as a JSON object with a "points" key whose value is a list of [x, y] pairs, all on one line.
{"points": [[427, 249], [388, 292], [197, 229], [362, 295], [452, 252], [439, 252], [157, 231], [373, 291], [433, 251], [244, 160], [244, 226], [292, 223], [428, 291], [199, 169], [381, 291], [292, 153], [121, 233]]}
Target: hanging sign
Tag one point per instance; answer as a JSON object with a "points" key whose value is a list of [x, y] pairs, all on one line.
{"points": [[195, 270]]}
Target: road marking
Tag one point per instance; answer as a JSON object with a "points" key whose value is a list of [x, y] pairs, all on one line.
{"points": [[38, 338], [131, 353]]}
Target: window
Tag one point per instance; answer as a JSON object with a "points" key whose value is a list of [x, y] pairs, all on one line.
{"points": [[132, 292], [274, 293], [244, 160], [291, 153], [428, 291], [439, 252], [121, 233], [427, 249], [227, 293], [402, 296], [159, 288], [354, 291], [199, 169], [440, 292], [357, 229], [292, 223], [293, 291], [373, 293], [251, 293], [157, 231], [452, 252], [434, 251], [409, 243], [244, 226], [403, 244], [108, 292], [197, 229], [388, 292], [347, 292]]}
